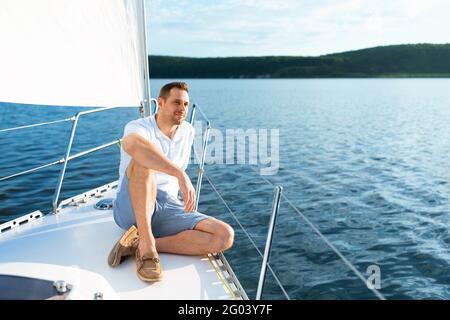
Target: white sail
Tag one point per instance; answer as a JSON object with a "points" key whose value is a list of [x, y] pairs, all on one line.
{"points": [[72, 52]]}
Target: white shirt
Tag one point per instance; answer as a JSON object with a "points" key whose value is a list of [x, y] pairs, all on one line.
{"points": [[177, 149]]}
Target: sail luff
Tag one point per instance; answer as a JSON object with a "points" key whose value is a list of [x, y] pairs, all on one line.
{"points": [[147, 96]]}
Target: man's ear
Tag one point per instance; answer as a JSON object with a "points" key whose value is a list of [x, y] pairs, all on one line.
{"points": [[160, 102]]}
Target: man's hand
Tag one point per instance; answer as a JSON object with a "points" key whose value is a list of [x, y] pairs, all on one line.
{"points": [[187, 190]]}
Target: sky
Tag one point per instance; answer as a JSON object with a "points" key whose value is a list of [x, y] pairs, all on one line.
{"points": [[222, 28]]}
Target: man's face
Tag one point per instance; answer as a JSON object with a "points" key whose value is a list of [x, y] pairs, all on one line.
{"points": [[175, 108]]}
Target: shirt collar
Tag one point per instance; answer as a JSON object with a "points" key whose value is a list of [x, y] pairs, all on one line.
{"points": [[159, 134]]}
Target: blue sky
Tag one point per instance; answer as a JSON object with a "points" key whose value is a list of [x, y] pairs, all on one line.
{"points": [[202, 28]]}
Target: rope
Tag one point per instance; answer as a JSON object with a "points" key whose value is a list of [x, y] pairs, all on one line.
{"points": [[35, 125], [339, 254], [246, 233]]}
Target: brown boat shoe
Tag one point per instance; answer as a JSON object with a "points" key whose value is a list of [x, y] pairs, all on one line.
{"points": [[126, 246], [148, 267]]}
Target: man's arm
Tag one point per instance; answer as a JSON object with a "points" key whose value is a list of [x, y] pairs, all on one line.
{"points": [[148, 155]]}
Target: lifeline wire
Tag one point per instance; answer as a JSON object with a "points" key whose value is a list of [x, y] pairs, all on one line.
{"points": [[317, 231], [248, 236]]}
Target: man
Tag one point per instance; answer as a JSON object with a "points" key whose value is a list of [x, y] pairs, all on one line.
{"points": [[154, 155]]}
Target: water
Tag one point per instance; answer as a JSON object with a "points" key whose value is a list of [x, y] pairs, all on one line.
{"points": [[367, 161]]}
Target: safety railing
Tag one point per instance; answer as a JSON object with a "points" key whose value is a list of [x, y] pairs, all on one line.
{"points": [[201, 168], [265, 257], [155, 102], [67, 157], [36, 125], [333, 248], [272, 223]]}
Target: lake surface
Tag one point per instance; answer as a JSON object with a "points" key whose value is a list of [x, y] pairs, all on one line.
{"points": [[366, 160]]}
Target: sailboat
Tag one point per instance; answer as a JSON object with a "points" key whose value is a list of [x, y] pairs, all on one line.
{"points": [[88, 53], [93, 53]]}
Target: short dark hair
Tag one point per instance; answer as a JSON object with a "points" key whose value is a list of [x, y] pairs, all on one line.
{"points": [[165, 90]]}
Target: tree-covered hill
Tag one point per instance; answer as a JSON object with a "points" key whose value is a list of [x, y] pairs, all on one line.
{"points": [[417, 60]]}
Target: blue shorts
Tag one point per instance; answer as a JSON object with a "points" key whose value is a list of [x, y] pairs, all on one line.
{"points": [[168, 216]]}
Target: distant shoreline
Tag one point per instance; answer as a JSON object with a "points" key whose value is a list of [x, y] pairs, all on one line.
{"points": [[398, 61]]}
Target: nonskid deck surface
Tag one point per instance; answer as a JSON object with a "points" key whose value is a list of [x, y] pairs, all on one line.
{"points": [[74, 245]]}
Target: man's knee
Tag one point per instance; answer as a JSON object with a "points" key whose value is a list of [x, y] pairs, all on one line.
{"points": [[223, 238], [136, 171]]}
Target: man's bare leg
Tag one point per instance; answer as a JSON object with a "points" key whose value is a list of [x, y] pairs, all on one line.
{"points": [[210, 235], [142, 191]]}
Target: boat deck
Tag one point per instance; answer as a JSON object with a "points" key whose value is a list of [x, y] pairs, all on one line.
{"points": [[73, 246]]}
